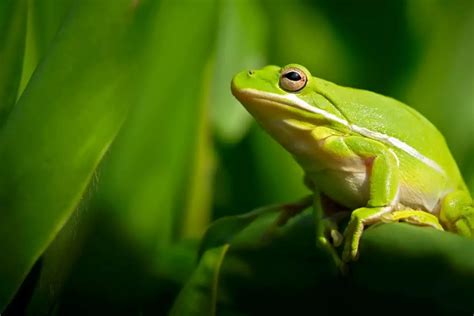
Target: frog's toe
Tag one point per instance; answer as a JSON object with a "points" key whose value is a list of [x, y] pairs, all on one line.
{"points": [[336, 237], [352, 238], [331, 232], [350, 252]]}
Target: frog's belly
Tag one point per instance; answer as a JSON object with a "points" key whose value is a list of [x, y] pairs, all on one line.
{"points": [[348, 188], [351, 189]]}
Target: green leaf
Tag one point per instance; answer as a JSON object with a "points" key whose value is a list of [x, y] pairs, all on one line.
{"points": [[260, 256], [147, 178], [47, 17], [414, 265], [223, 230], [13, 14], [241, 43], [199, 295], [57, 262], [196, 215], [442, 85], [61, 127], [423, 263], [44, 20], [150, 181]]}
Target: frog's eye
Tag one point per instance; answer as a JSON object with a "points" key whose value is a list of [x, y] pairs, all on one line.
{"points": [[292, 79]]}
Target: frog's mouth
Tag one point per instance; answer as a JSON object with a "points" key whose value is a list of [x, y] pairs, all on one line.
{"points": [[290, 103]]}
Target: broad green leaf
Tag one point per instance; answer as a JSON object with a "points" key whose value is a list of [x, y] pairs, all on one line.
{"points": [[259, 256], [416, 265], [145, 181], [199, 295], [443, 81], [241, 43], [13, 15], [197, 211], [223, 230], [423, 263], [57, 262], [154, 178], [61, 127], [44, 19], [47, 17]]}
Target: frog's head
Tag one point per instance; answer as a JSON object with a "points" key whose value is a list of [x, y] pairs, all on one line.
{"points": [[286, 101]]}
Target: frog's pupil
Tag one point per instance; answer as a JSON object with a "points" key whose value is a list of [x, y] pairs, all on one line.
{"points": [[293, 76]]}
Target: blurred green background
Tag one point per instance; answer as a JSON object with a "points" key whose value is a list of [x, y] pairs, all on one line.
{"points": [[120, 141]]}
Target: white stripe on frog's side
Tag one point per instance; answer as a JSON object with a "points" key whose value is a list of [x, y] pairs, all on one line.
{"points": [[395, 142], [294, 100]]}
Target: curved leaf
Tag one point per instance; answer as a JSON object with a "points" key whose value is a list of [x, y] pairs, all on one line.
{"points": [[44, 20], [421, 268], [199, 296], [145, 178], [241, 41], [423, 263], [442, 84], [61, 127], [13, 14], [261, 257]]}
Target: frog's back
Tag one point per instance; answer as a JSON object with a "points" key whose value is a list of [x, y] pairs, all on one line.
{"points": [[397, 124]]}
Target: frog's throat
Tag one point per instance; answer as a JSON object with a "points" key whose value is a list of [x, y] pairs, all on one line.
{"points": [[294, 101]]}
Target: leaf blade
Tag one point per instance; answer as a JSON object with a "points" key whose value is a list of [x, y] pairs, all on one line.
{"points": [[54, 138], [13, 16]]}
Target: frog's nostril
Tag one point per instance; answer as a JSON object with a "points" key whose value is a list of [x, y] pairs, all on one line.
{"points": [[251, 72]]}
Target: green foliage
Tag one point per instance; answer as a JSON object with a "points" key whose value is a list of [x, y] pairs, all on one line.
{"points": [[120, 143], [248, 261], [56, 135], [13, 17]]}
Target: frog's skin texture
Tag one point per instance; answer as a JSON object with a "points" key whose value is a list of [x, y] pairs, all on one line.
{"points": [[369, 153]]}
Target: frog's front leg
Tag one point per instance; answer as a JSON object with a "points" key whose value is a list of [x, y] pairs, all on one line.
{"points": [[383, 180], [457, 213]]}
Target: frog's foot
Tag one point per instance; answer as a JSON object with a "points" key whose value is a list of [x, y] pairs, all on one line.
{"points": [[359, 219], [457, 213], [330, 228], [332, 238], [464, 225], [415, 217]]}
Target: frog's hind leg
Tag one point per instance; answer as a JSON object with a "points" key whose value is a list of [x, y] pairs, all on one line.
{"points": [[457, 213], [327, 234], [332, 215], [415, 217]]}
